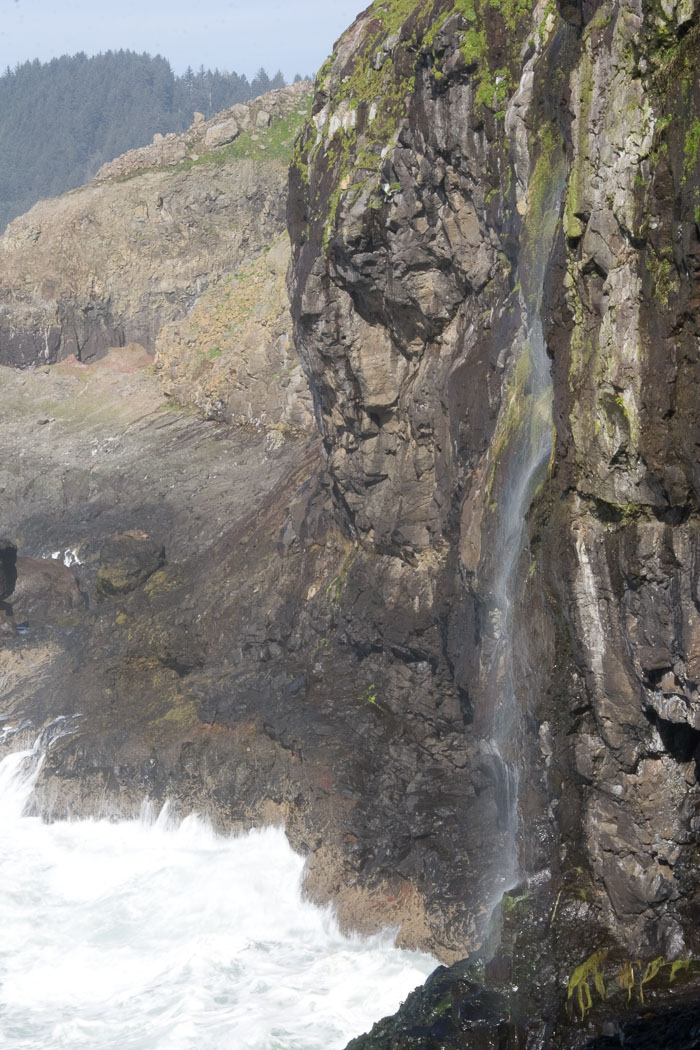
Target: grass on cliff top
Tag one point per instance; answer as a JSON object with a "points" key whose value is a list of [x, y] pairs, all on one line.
{"points": [[275, 143]]}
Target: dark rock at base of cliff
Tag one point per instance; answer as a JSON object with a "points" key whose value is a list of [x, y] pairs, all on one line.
{"points": [[46, 591], [545, 981], [8, 568], [126, 562], [452, 1009], [676, 1029]]}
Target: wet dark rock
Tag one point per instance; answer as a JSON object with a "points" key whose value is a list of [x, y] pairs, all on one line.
{"points": [[677, 1029], [8, 568], [452, 1009], [46, 591]]}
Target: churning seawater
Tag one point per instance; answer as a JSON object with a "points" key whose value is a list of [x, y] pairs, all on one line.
{"points": [[150, 935]]}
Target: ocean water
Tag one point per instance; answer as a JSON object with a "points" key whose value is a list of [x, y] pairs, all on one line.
{"points": [[152, 935]]}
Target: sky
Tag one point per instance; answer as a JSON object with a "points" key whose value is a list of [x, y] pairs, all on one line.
{"points": [[294, 36]]}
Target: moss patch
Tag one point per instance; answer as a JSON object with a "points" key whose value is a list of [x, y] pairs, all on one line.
{"points": [[181, 715]]}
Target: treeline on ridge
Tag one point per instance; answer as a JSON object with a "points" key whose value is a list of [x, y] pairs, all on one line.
{"points": [[61, 120]]}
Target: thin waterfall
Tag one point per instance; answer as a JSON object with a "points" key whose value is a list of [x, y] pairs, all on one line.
{"points": [[529, 450]]}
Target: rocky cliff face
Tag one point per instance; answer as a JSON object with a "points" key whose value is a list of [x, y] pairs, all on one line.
{"points": [[450, 146], [456, 649], [624, 339], [233, 357]]}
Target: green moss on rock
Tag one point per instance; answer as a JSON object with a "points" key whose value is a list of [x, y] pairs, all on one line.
{"points": [[364, 91]]}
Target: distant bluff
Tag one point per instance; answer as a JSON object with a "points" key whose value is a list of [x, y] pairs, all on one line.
{"points": [[111, 262]]}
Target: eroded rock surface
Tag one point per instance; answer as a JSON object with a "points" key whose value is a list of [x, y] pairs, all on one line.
{"points": [[233, 357], [437, 141], [413, 296]]}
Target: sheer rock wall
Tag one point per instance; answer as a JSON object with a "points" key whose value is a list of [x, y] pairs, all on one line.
{"points": [[330, 644], [418, 193]]}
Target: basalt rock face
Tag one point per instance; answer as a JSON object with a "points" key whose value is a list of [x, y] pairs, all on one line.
{"points": [[448, 143], [413, 301], [624, 336]]}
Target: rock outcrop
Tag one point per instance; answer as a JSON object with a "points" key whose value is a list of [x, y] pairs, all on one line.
{"points": [[127, 560], [243, 118], [413, 291], [233, 357], [110, 263], [448, 144]]}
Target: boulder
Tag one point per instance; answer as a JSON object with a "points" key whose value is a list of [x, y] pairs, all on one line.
{"points": [[46, 591], [221, 134], [126, 562], [241, 113]]}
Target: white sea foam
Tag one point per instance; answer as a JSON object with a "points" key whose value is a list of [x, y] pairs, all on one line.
{"points": [[145, 935], [69, 556]]}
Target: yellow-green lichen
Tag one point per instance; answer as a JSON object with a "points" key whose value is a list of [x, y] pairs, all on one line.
{"points": [[334, 589], [580, 982]]}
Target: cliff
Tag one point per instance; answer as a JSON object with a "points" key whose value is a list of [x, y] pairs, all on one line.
{"points": [[111, 262], [480, 185], [233, 357], [454, 642]]}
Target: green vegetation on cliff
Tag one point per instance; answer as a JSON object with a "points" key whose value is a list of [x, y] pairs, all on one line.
{"points": [[369, 91], [273, 143]]}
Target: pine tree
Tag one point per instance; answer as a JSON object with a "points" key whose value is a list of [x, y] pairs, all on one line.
{"points": [[261, 83]]}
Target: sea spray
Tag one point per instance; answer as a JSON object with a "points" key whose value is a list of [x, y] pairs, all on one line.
{"points": [[152, 935]]}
